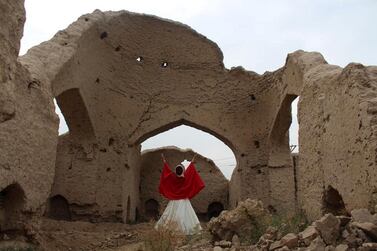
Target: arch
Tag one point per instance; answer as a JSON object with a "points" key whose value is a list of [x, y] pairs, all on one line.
{"points": [[214, 209], [177, 123], [12, 201], [280, 152], [152, 209], [58, 208], [75, 113]]}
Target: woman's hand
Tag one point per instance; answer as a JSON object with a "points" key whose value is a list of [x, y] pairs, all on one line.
{"points": [[193, 158], [163, 158]]}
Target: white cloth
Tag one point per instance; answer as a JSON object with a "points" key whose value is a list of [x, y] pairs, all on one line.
{"points": [[181, 213]]}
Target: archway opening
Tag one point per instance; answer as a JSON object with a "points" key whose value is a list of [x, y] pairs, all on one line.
{"points": [[152, 209], [184, 136], [63, 127], [214, 209], [73, 115], [283, 139], [12, 200], [58, 208], [294, 128], [332, 202], [179, 141]]}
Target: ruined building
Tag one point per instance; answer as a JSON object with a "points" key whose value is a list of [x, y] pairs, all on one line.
{"points": [[120, 78]]}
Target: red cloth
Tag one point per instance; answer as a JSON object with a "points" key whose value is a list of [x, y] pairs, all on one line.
{"points": [[173, 187]]}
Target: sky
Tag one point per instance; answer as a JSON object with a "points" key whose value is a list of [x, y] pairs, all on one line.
{"points": [[257, 35]]}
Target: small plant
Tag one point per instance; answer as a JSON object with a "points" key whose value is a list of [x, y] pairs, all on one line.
{"points": [[164, 238], [284, 224], [289, 224], [260, 226]]}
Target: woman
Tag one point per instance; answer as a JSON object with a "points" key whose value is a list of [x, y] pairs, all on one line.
{"points": [[179, 188]]}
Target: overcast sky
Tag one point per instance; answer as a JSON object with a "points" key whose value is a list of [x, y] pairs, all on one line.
{"points": [[255, 34]]}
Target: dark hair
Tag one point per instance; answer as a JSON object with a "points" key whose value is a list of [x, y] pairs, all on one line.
{"points": [[179, 169]]}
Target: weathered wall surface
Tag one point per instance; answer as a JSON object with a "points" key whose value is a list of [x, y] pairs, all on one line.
{"points": [[28, 123], [216, 189], [92, 179], [336, 137]]}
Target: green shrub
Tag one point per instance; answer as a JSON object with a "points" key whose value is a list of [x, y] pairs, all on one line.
{"points": [[289, 224], [284, 224]]}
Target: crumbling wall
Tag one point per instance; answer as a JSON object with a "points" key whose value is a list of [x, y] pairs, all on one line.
{"points": [[91, 179], [336, 136], [28, 123], [216, 189], [134, 86]]}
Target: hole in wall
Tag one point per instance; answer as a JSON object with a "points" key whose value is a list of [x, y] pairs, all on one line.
{"points": [[256, 144], [214, 209], [58, 208], [164, 64], [271, 209], [111, 141], [140, 59], [332, 202], [12, 199], [152, 209], [103, 35]]}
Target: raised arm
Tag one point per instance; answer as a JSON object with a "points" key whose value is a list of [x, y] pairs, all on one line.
{"points": [[193, 158], [163, 158]]}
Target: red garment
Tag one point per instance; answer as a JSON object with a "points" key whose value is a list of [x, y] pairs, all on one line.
{"points": [[173, 187]]}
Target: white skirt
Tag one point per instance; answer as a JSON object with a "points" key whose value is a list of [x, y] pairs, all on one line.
{"points": [[181, 213]]}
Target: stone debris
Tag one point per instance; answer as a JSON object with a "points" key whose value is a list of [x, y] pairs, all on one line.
{"points": [[369, 228], [309, 234], [329, 233], [328, 226], [342, 247], [362, 215], [241, 221], [236, 242], [223, 244]]}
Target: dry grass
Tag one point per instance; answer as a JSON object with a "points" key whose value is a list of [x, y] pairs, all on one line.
{"points": [[164, 238]]}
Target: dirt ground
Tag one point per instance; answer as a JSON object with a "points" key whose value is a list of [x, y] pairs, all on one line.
{"points": [[56, 235], [64, 235]]}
